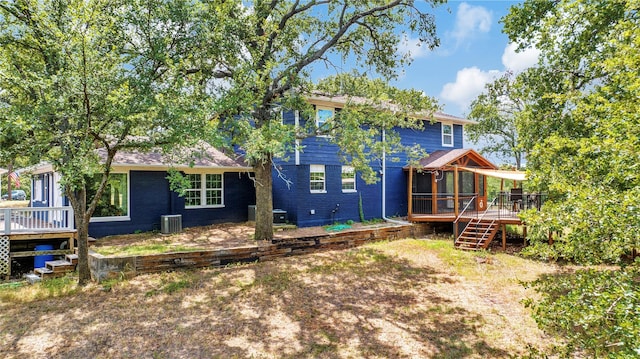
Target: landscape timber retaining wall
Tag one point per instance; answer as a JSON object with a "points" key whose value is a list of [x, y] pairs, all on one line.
{"points": [[107, 267]]}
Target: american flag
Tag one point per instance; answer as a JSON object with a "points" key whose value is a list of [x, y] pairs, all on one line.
{"points": [[15, 177]]}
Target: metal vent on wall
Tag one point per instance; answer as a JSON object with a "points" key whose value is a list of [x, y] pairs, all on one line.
{"points": [[171, 223]]}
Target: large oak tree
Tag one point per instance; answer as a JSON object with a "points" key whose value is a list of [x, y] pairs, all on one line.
{"points": [[87, 74], [278, 44]]}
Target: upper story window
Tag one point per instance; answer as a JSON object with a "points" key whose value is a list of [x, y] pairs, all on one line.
{"points": [[205, 190], [317, 179], [348, 179], [113, 205], [447, 134], [324, 114]]}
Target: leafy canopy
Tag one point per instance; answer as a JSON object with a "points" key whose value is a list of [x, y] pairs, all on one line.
{"points": [[276, 45], [112, 75], [584, 127], [498, 112]]}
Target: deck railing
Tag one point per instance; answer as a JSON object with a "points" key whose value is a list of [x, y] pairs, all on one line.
{"points": [[508, 205], [422, 203], [34, 219]]}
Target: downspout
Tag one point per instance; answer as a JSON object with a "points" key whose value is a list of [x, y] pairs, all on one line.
{"points": [[384, 184], [297, 145]]}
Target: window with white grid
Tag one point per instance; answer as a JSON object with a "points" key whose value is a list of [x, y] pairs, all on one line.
{"points": [[447, 135], [205, 190], [317, 178], [348, 179]]}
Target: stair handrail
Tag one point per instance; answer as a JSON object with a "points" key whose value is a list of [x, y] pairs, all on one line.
{"points": [[493, 202], [481, 218], [455, 222], [468, 223], [464, 209], [485, 233]]}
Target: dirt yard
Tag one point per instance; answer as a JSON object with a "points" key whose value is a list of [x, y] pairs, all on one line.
{"points": [[401, 299], [224, 235]]}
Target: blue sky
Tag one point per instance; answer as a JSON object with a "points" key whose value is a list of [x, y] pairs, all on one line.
{"points": [[472, 52]]}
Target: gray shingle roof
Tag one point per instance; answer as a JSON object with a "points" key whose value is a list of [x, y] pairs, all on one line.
{"points": [[200, 156]]}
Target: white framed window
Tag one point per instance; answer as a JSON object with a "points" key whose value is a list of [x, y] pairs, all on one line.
{"points": [[324, 114], [37, 190], [447, 135], [113, 205], [317, 179], [205, 190], [348, 179]]}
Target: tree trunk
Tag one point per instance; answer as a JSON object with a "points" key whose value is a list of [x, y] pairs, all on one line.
{"points": [[84, 274], [264, 200], [79, 204]]}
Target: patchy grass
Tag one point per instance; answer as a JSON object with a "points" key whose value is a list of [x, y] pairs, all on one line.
{"points": [[400, 299], [143, 249], [48, 289]]}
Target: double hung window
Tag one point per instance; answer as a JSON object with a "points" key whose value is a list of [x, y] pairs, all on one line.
{"points": [[205, 190]]}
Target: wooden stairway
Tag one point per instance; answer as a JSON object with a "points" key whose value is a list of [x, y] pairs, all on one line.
{"points": [[477, 235], [58, 268]]}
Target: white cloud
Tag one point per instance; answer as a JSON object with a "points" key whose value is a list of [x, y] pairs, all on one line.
{"points": [[413, 47], [470, 82], [519, 61], [470, 20]]}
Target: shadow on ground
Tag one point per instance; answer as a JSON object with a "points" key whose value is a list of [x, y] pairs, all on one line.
{"points": [[356, 303]]}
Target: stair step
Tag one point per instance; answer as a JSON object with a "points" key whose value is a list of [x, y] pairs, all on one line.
{"points": [[32, 278], [60, 266], [468, 244], [44, 273], [477, 235], [470, 248], [73, 258], [471, 238]]}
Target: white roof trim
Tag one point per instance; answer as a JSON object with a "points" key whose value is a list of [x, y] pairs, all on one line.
{"points": [[340, 100]]}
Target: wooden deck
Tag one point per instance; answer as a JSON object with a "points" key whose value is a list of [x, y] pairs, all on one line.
{"points": [[500, 216], [21, 229]]}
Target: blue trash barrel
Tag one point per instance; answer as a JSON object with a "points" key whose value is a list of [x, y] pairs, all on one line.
{"points": [[38, 261]]}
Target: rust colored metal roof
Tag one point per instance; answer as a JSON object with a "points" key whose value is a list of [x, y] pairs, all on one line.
{"points": [[446, 158]]}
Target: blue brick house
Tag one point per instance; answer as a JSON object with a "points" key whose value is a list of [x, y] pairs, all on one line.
{"points": [[321, 190], [312, 186], [138, 192]]}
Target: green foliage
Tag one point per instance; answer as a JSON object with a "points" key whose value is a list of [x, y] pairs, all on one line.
{"points": [[587, 159], [178, 182], [583, 131], [597, 312], [372, 106], [498, 112], [112, 76], [271, 48]]}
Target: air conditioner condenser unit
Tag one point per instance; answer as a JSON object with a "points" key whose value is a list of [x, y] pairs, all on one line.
{"points": [[171, 223]]}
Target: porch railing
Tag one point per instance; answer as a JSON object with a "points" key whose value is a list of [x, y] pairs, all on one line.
{"points": [[34, 219], [422, 203], [509, 205], [464, 210], [505, 205]]}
